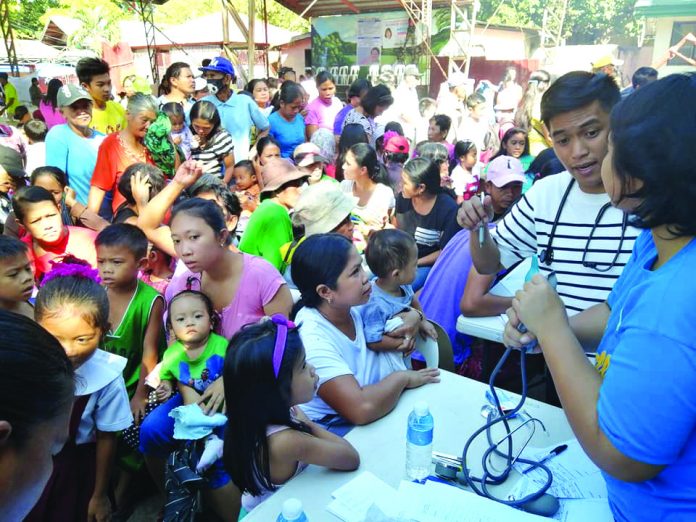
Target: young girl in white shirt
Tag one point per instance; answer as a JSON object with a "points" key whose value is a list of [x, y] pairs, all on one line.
{"points": [[465, 175], [74, 308], [266, 376]]}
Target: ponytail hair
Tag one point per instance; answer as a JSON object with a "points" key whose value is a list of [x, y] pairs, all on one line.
{"points": [[254, 393]]}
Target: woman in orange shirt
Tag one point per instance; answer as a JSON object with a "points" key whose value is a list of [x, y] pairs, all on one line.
{"points": [[121, 149]]}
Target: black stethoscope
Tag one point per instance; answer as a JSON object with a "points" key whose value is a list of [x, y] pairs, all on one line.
{"points": [[547, 255]]}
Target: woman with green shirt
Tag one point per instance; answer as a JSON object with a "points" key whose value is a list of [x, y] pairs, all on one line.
{"points": [[269, 227]]}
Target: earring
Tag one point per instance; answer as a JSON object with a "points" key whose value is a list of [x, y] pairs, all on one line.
{"points": [[330, 300]]}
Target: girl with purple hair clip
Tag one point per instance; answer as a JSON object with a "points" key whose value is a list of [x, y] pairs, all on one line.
{"points": [[267, 377], [74, 308]]}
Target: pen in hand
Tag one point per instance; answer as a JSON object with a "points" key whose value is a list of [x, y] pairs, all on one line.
{"points": [[482, 230], [554, 452]]}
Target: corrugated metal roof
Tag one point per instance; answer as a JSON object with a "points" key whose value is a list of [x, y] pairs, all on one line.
{"points": [[661, 8], [341, 7]]}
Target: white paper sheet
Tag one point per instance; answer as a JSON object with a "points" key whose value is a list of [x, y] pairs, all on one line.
{"points": [[575, 476]]}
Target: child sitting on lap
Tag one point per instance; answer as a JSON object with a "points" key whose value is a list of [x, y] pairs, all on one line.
{"points": [[392, 256], [266, 377], [193, 362]]}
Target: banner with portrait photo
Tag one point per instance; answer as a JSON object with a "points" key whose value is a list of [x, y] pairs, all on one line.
{"points": [[369, 41], [394, 32]]}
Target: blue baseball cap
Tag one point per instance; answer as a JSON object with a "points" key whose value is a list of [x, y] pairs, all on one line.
{"points": [[219, 64]]}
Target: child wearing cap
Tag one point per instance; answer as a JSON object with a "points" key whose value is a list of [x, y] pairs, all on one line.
{"points": [[309, 160], [396, 149], [269, 227], [73, 146], [12, 176]]}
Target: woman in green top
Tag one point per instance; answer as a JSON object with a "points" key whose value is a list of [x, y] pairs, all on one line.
{"points": [[269, 227]]}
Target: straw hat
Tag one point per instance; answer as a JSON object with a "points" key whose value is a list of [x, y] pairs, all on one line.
{"points": [[322, 207]]}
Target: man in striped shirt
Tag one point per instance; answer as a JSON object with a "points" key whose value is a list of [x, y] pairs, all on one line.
{"points": [[566, 219]]}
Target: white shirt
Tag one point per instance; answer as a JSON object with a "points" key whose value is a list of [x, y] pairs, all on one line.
{"points": [[525, 231], [36, 156], [379, 206], [108, 408], [333, 354]]}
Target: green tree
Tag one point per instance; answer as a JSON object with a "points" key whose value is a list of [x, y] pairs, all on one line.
{"points": [[586, 22], [25, 16], [99, 19], [178, 11]]}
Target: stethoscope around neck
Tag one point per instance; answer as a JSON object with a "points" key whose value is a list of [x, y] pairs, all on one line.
{"points": [[547, 254]]}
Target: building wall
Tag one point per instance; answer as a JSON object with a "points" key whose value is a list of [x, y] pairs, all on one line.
{"points": [[663, 38], [294, 55]]}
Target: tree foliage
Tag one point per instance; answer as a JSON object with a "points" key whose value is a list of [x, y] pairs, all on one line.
{"points": [[586, 22], [179, 11], [25, 16]]}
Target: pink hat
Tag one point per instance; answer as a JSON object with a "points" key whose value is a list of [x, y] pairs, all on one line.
{"points": [[396, 144], [308, 153], [505, 169]]}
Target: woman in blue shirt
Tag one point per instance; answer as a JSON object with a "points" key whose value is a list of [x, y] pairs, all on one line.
{"points": [[635, 414], [287, 124]]}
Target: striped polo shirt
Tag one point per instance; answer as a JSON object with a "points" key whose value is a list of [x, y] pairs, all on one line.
{"points": [[526, 229]]}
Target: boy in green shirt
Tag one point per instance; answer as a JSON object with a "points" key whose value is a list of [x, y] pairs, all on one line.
{"points": [[136, 330]]}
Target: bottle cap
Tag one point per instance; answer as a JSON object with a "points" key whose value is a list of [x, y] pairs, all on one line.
{"points": [[421, 408], [292, 509]]}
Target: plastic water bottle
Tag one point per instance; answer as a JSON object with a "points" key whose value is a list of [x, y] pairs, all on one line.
{"points": [[292, 512], [419, 442]]}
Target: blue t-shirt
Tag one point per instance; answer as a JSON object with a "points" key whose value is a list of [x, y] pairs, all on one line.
{"points": [[288, 134], [381, 307], [238, 115], [75, 155], [647, 402]]}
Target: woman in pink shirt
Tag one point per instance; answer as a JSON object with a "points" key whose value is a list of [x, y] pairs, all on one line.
{"points": [[48, 107], [322, 112]]}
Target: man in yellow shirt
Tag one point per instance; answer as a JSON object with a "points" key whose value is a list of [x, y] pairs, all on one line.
{"points": [[11, 98], [107, 115]]}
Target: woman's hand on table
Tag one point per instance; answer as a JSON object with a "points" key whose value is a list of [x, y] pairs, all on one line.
{"points": [[417, 378]]}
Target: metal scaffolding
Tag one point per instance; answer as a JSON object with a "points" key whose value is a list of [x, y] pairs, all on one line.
{"points": [[462, 26], [552, 24], [8, 37]]}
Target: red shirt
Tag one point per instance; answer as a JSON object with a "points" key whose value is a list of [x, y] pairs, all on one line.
{"points": [[78, 242], [112, 160]]}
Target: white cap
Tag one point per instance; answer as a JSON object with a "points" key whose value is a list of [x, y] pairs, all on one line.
{"points": [[292, 509], [421, 408]]}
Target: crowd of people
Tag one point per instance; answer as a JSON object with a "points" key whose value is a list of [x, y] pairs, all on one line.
{"points": [[173, 264]]}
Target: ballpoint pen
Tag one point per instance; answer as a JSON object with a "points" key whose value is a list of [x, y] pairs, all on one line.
{"points": [[554, 452], [481, 230]]}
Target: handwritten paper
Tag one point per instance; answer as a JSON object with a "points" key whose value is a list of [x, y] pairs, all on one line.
{"points": [[575, 476]]}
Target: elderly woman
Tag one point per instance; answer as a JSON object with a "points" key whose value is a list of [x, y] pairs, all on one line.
{"points": [[120, 150]]}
